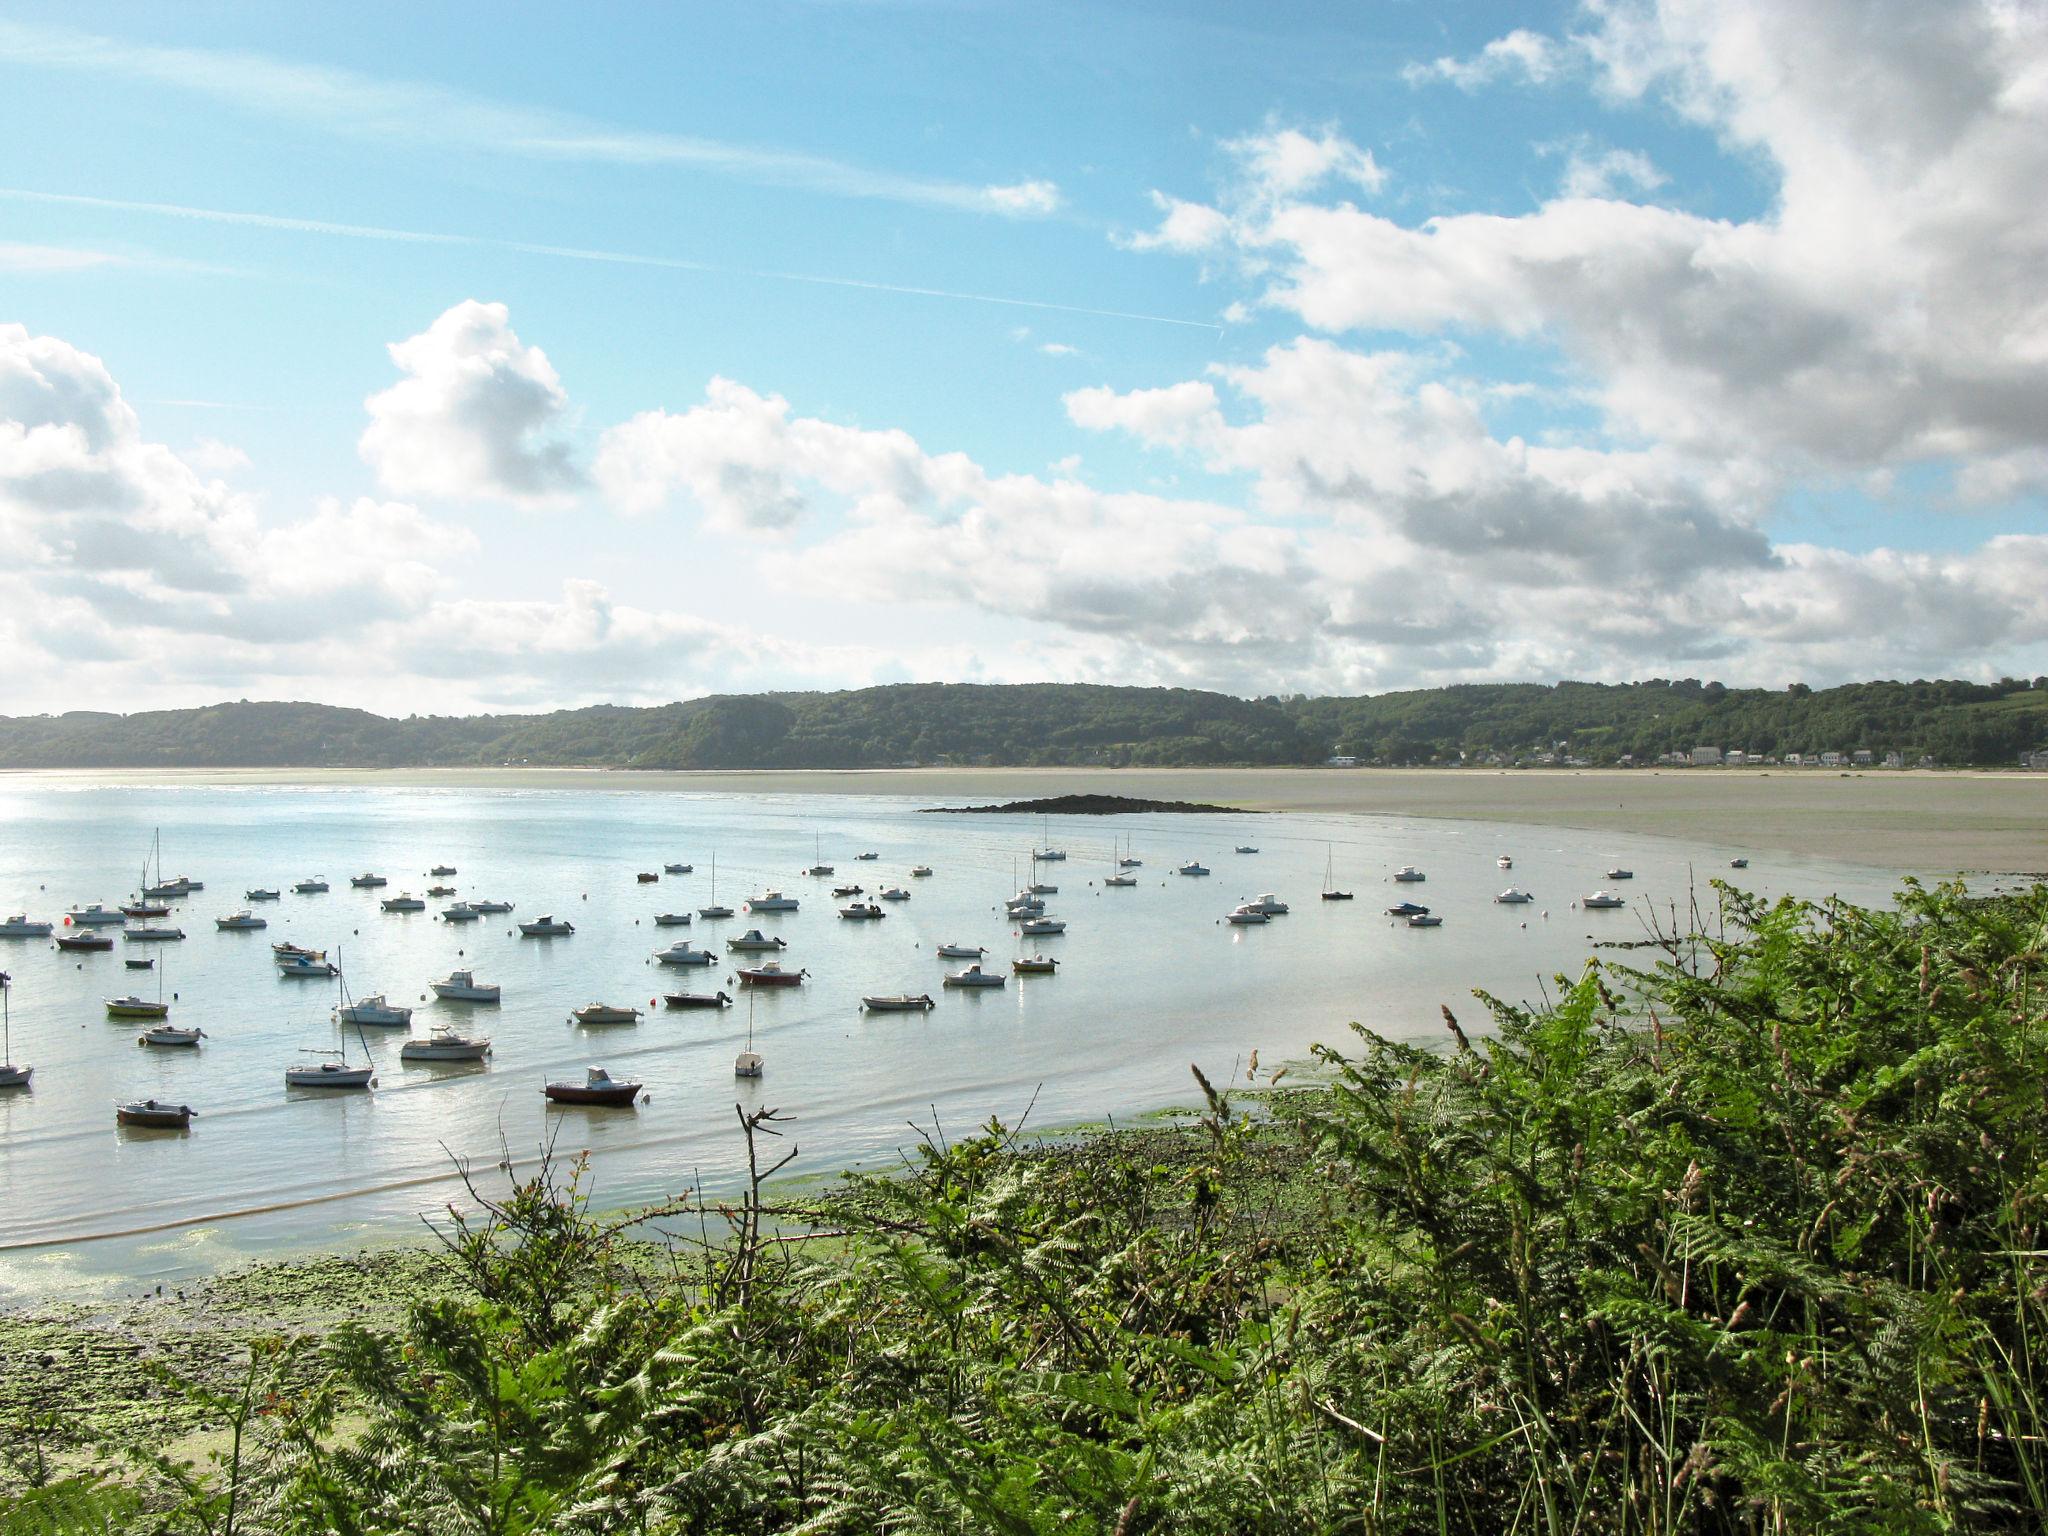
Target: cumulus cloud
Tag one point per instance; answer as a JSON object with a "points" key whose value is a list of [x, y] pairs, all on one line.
{"points": [[1602, 173], [478, 415], [1520, 54]]}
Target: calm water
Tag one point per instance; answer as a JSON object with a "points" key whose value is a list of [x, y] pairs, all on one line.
{"points": [[1150, 981]]}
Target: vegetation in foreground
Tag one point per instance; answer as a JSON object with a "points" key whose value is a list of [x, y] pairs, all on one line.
{"points": [[1957, 724], [1742, 1235]]}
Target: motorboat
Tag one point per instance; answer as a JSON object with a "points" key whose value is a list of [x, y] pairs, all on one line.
{"points": [[1618, 873], [770, 975], [921, 871], [546, 927], [463, 987], [152, 933], [1505, 862], [1407, 909], [772, 901], [961, 951], [86, 940], [446, 1045], [144, 909], [1738, 863], [682, 953], [862, 911], [1127, 862], [154, 1115], [604, 1013], [405, 901], [895, 893], [338, 1073], [94, 916], [899, 1002], [262, 893], [1424, 920], [491, 906], [240, 922], [287, 947], [1336, 895], [754, 940], [646, 877], [974, 976], [459, 912], [1024, 902], [367, 881], [1408, 874], [696, 999], [1048, 855], [598, 1087], [848, 890], [1040, 926], [671, 919], [1034, 965], [1246, 848], [313, 887], [678, 869], [146, 963], [440, 870], [1269, 904], [132, 1007], [1247, 917], [19, 927], [172, 1035], [1602, 900], [1192, 867], [375, 1010], [305, 965], [865, 858], [436, 892], [1514, 896]]}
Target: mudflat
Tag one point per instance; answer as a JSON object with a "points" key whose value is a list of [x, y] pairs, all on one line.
{"points": [[1931, 823]]}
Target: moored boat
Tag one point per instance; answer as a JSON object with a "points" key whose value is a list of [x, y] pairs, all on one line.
{"points": [[20, 927], [1424, 920], [961, 951], [696, 999], [171, 1035], [262, 893], [339, 1073], [1269, 904], [1408, 874], [1192, 867], [671, 919], [1034, 965], [1407, 909], [375, 1010], [491, 906], [312, 887], [144, 909], [974, 976], [94, 916], [754, 941], [367, 881], [1041, 926], [459, 912], [445, 1045], [895, 893], [240, 922], [921, 871], [133, 1007], [152, 933], [684, 953], [305, 965], [604, 1013], [862, 911], [463, 987], [598, 1087], [440, 870], [86, 940], [899, 1002], [678, 869], [1618, 873], [771, 901], [1602, 900], [546, 927], [1246, 917], [1514, 896], [770, 975], [154, 1115], [404, 901]]}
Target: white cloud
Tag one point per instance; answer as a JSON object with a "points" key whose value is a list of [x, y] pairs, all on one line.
{"points": [[1058, 349], [1521, 54], [476, 417], [1589, 173], [1024, 198], [1285, 162], [1186, 229], [18, 257]]}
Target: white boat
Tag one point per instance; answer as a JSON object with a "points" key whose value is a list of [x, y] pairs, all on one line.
{"points": [[1618, 873], [901, 1002], [770, 975], [1035, 965], [1023, 902], [339, 1073], [459, 912], [1514, 896], [491, 906], [1505, 862], [683, 954], [818, 864], [94, 916], [1037, 926], [446, 1045], [176, 885], [153, 933], [604, 1013], [753, 940], [921, 870], [1247, 917], [1601, 900], [772, 901], [286, 947], [261, 893], [1408, 874], [404, 901], [1738, 863], [304, 965], [975, 976], [153, 1115], [1269, 904], [375, 1010], [747, 1064], [12, 1075], [861, 911], [367, 881], [671, 919], [545, 927], [1048, 855], [19, 927], [895, 893], [961, 951], [1424, 920], [865, 858], [1192, 867], [714, 912], [311, 887], [238, 922], [463, 987], [171, 1035]]}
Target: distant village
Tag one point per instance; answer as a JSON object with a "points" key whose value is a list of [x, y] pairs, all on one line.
{"points": [[1698, 757]]}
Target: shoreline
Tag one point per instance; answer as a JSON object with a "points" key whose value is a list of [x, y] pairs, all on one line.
{"points": [[1925, 821]]}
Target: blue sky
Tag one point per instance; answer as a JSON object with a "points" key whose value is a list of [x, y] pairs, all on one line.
{"points": [[1327, 348]]}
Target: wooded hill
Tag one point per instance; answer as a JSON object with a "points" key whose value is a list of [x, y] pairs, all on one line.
{"points": [[1955, 723]]}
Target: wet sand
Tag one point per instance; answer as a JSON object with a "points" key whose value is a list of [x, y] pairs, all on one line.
{"points": [[1926, 823]]}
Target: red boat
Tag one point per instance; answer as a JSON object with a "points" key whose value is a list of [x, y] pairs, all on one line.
{"points": [[598, 1087], [770, 976]]}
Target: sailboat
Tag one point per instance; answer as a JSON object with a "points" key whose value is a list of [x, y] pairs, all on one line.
{"points": [[748, 1062], [11, 1076], [181, 885], [338, 1073], [1330, 891], [714, 910], [818, 865], [1048, 854], [1116, 876], [135, 1007]]}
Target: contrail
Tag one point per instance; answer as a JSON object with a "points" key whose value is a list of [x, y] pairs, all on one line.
{"points": [[570, 253]]}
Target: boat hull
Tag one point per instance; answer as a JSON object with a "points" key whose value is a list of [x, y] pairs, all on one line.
{"points": [[612, 1096]]}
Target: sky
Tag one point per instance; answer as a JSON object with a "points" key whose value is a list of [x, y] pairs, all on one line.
{"points": [[429, 358]]}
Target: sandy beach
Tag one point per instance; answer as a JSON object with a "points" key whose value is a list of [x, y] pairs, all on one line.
{"points": [[1927, 823]]}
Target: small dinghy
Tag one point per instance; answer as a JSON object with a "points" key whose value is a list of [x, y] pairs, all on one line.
{"points": [[604, 1013], [546, 927], [598, 1087], [900, 1002], [446, 1045], [151, 1114], [148, 964], [961, 951], [1034, 965], [684, 954], [1618, 873], [170, 1035], [696, 999], [647, 877], [770, 975], [671, 919], [754, 940], [974, 976], [1246, 848]]}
